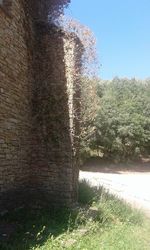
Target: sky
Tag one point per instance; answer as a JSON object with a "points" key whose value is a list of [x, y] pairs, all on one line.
{"points": [[122, 30]]}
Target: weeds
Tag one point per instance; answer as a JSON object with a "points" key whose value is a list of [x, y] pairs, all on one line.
{"points": [[103, 223]]}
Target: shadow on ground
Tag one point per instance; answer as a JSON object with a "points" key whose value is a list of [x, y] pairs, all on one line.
{"points": [[96, 164], [26, 228], [30, 228]]}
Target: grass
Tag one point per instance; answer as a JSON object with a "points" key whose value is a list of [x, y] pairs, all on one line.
{"points": [[102, 222]]}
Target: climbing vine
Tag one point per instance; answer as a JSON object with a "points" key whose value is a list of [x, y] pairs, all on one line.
{"points": [[87, 39]]}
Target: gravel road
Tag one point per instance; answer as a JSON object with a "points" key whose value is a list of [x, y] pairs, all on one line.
{"points": [[133, 187]]}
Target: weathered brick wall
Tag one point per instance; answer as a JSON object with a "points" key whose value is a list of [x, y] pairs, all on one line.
{"points": [[15, 100], [36, 149], [53, 161]]}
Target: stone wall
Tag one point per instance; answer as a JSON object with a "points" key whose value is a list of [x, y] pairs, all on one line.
{"points": [[53, 138], [15, 101], [36, 151]]}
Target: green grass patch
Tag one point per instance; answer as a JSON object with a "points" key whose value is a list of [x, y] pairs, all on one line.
{"points": [[102, 222]]}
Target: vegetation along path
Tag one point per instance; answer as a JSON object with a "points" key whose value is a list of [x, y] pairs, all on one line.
{"points": [[130, 182]]}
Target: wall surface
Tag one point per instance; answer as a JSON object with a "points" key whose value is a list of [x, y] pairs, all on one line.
{"points": [[15, 101], [52, 130], [36, 131]]}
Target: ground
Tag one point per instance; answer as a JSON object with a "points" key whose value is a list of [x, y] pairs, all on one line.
{"points": [[100, 222], [128, 181]]}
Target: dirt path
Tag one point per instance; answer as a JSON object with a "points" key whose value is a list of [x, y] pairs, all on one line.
{"points": [[133, 186]]}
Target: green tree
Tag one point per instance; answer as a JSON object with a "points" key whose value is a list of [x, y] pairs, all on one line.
{"points": [[122, 124]]}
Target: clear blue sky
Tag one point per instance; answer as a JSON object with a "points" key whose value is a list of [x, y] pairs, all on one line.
{"points": [[122, 29]]}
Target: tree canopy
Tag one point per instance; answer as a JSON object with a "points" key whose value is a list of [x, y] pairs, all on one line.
{"points": [[121, 128]]}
